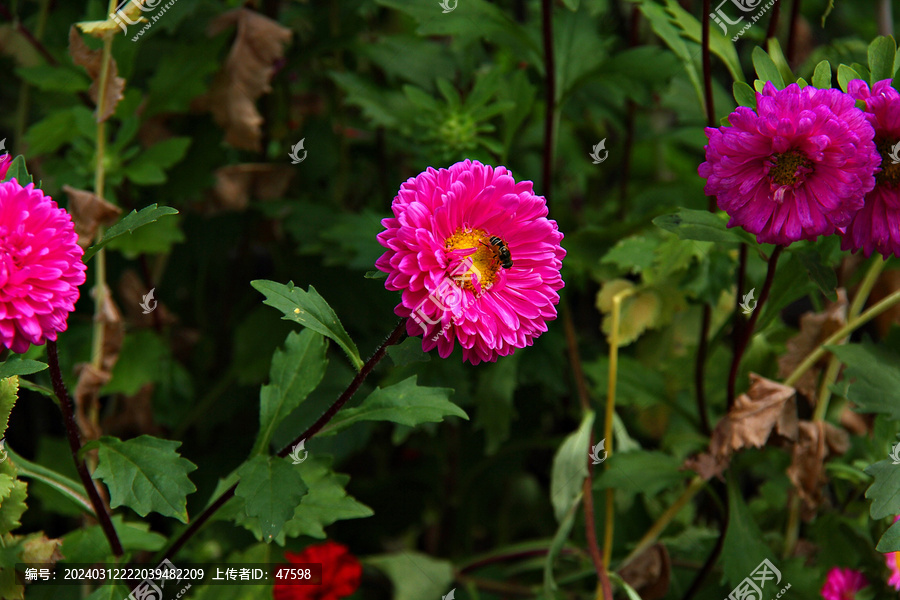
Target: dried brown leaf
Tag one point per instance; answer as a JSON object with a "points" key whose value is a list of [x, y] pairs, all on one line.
{"points": [[89, 211], [817, 441], [767, 408], [92, 61], [649, 573], [39, 548], [815, 328], [134, 415], [249, 68], [236, 184]]}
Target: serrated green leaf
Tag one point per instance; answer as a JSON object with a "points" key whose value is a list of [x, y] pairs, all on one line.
{"points": [[405, 403], [633, 255], [846, 75], [18, 172], [407, 352], [9, 392], [744, 95], [874, 376], [766, 69], [129, 223], [702, 225], [642, 472], [744, 548], [881, 54], [295, 372], [822, 76], [415, 576], [144, 473], [16, 365], [570, 467], [885, 489], [155, 238], [310, 310], [271, 489], [890, 541], [13, 493]]}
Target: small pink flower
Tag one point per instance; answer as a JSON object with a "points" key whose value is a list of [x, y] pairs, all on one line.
{"points": [[796, 168], [893, 562], [5, 161], [842, 584], [40, 267], [476, 259]]}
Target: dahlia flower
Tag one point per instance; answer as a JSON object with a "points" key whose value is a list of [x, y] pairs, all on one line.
{"points": [[476, 259], [876, 228], [40, 267], [842, 584], [796, 168], [892, 559], [341, 572], [5, 161]]}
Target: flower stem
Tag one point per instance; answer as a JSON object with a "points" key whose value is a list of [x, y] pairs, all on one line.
{"points": [[219, 502], [550, 96], [74, 436]]}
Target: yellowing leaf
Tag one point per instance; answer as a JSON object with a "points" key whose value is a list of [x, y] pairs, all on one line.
{"points": [[92, 61], [130, 14]]}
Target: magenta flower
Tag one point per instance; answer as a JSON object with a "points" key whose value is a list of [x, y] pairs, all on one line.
{"points": [[876, 228], [797, 168], [40, 266], [476, 258], [5, 161], [842, 584]]}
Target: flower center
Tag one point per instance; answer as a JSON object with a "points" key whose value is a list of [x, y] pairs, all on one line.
{"points": [[789, 167], [890, 170], [476, 271]]}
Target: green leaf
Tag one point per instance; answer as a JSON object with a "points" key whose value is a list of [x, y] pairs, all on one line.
{"points": [[744, 548], [129, 223], [9, 392], [16, 365], [885, 489], [822, 76], [405, 403], [570, 467], [407, 352], [145, 473], [766, 69], [875, 378], [641, 472], [719, 45], [271, 489], [54, 79], [12, 502], [671, 35], [48, 135], [140, 362], [310, 310], [780, 61], [414, 576], [633, 254], [629, 591], [18, 172], [110, 592], [572, 4], [881, 54], [559, 541], [702, 225], [295, 372], [890, 541], [494, 401], [148, 168], [326, 502], [744, 95], [89, 544], [69, 488], [846, 75], [155, 238], [821, 274]]}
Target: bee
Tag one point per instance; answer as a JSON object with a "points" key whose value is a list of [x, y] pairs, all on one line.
{"points": [[501, 252]]}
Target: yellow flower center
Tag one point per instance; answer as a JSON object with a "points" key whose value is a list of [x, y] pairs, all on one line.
{"points": [[480, 267], [890, 171], [788, 166]]}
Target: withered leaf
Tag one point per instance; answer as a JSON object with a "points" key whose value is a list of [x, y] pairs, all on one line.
{"points": [[92, 61], [134, 415], [767, 407], [649, 573], [89, 211], [249, 68], [815, 328], [236, 184], [131, 292], [816, 442]]}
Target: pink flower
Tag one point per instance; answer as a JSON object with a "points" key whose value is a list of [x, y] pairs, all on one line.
{"points": [[40, 267], [893, 562], [797, 168], [5, 161], [476, 258], [876, 228], [842, 584]]}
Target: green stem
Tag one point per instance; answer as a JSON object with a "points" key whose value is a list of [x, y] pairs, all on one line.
{"points": [[62, 484]]}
